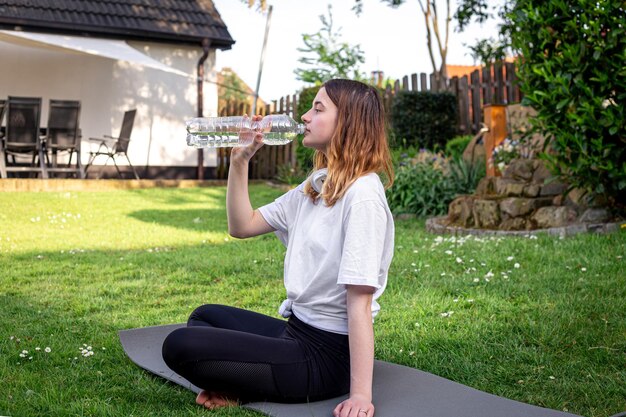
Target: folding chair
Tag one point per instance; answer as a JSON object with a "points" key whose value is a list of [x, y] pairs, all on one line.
{"points": [[63, 135], [112, 147], [22, 137]]}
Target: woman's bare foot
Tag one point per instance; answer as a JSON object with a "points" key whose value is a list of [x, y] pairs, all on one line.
{"points": [[211, 400]]}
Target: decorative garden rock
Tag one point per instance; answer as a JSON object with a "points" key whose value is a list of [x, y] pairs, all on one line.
{"points": [[525, 199]]}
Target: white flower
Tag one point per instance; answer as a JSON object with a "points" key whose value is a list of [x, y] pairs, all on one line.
{"points": [[489, 274], [47, 350], [516, 265], [510, 258], [470, 300], [37, 348], [583, 269], [25, 352], [448, 252], [476, 280], [459, 260]]}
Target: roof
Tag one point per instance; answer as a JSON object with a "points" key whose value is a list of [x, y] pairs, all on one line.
{"points": [[172, 21]]}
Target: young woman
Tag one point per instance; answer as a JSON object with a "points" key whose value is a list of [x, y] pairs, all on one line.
{"points": [[339, 235]]}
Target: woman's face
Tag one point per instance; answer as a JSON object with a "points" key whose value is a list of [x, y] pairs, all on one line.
{"points": [[320, 122]]}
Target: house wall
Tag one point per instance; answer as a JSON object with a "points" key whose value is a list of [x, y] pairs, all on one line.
{"points": [[106, 88]]}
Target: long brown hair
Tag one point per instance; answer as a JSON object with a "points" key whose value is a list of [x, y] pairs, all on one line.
{"points": [[358, 145]]}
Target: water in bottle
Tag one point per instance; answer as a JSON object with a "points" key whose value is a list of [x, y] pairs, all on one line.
{"points": [[219, 132]]}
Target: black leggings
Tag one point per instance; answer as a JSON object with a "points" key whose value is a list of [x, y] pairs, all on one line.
{"points": [[258, 357]]}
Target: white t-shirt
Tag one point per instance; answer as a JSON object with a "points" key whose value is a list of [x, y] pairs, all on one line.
{"points": [[329, 247]]}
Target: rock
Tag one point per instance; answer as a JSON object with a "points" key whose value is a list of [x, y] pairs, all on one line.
{"points": [[595, 215], [486, 214], [518, 223], [553, 188], [541, 173], [515, 207], [558, 200], [531, 190], [486, 186], [460, 211], [519, 169], [509, 188], [551, 216]]}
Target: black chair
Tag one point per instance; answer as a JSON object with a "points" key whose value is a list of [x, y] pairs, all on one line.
{"points": [[22, 137], [63, 136], [112, 147], [3, 106]]}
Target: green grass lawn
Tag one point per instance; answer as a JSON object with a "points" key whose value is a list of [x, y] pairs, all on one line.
{"points": [[541, 320]]}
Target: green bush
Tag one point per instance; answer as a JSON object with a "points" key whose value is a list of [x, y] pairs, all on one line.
{"points": [[572, 72], [456, 146], [423, 119], [304, 156], [426, 184]]}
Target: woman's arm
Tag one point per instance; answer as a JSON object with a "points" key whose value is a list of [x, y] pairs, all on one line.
{"points": [[243, 221], [361, 336]]}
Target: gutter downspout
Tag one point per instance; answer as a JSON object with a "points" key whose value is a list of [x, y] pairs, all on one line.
{"points": [[200, 83]]}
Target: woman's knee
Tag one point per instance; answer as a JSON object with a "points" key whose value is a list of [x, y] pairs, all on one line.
{"points": [[174, 349], [204, 314]]}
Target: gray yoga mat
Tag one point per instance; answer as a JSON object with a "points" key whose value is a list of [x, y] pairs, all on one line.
{"points": [[399, 391]]}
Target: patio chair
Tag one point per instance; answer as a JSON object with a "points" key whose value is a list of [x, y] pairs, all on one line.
{"points": [[63, 136], [112, 147], [22, 137], [3, 106]]}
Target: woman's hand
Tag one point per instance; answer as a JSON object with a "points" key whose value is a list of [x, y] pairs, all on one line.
{"points": [[243, 154], [355, 406]]}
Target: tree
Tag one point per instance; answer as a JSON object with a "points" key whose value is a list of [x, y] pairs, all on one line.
{"points": [[327, 57]]}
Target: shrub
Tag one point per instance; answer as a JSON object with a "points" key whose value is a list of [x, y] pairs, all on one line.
{"points": [[423, 119], [456, 146], [426, 184], [304, 156], [572, 72]]}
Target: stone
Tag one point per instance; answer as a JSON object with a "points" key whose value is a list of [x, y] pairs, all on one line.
{"points": [[578, 197], [595, 215], [486, 214], [509, 188], [519, 169], [460, 211], [553, 188], [551, 216], [541, 173], [515, 207], [486, 186], [531, 190], [518, 223]]}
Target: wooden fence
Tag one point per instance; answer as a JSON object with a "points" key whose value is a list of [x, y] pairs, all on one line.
{"points": [[490, 85]]}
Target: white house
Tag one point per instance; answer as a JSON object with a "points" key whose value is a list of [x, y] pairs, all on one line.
{"points": [[116, 55]]}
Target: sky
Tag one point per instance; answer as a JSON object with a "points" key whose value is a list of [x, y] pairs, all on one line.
{"points": [[393, 39]]}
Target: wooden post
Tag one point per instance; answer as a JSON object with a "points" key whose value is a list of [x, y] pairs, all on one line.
{"points": [[495, 119]]}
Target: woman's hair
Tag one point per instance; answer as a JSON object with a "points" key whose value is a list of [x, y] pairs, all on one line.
{"points": [[358, 145]]}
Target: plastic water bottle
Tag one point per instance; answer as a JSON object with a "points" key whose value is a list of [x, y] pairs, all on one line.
{"points": [[220, 132]]}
